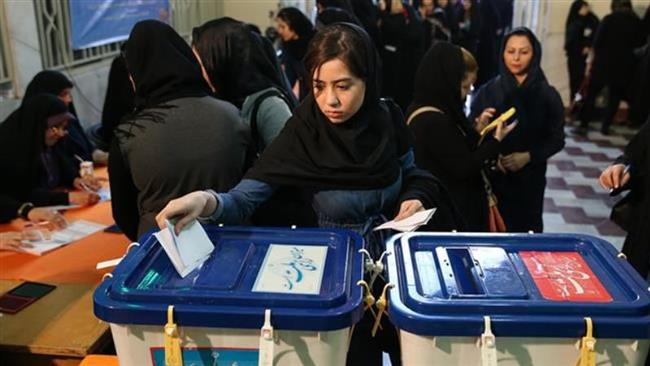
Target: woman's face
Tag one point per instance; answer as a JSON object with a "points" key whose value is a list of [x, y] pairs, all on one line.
{"points": [[66, 96], [55, 133], [338, 92], [284, 31], [467, 4], [518, 54], [584, 10], [466, 85], [443, 3]]}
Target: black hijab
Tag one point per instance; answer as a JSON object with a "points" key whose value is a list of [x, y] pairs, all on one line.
{"points": [[22, 140], [361, 153], [300, 24], [119, 100], [54, 82], [48, 82], [333, 15], [162, 65], [535, 75], [574, 11], [437, 82], [236, 60]]}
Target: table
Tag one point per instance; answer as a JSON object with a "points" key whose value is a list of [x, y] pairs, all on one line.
{"points": [[61, 325]]}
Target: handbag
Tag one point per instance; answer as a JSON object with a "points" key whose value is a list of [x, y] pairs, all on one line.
{"points": [[495, 221]]}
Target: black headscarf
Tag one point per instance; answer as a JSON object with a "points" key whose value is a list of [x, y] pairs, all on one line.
{"points": [[437, 82], [48, 82], [300, 24], [54, 82], [361, 153], [535, 73], [574, 11], [162, 65], [341, 4], [333, 15], [22, 140], [119, 100], [236, 60]]}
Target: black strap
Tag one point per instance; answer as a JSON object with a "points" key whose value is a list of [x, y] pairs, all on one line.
{"points": [[255, 147]]}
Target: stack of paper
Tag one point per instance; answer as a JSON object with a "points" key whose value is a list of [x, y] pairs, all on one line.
{"points": [[187, 250], [74, 231], [410, 223]]}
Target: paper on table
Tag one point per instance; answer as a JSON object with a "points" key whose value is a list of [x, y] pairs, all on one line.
{"points": [[74, 231], [187, 250], [410, 223]]}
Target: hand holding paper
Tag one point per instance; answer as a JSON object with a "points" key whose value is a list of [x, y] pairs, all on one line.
{"points": [[410, 223], [187, 250]]}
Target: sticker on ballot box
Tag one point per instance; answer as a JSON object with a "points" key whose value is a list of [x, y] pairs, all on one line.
{"points": [[207, 356], [292, 269], [564, 276]]}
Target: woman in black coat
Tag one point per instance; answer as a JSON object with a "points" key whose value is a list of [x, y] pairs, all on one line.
{"points": [[446, 142], [631, 170], [403, 36], [295, 30], [618, 35], [581, 26], [76, 143], [520, 183], [30, 156]]}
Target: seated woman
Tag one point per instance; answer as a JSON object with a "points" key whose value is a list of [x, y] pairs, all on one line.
{"points": [[446, 143], [239, 71], [31, 159], [178, 139], [346, 150], [76, 143], [11, 209], [521, 179]]}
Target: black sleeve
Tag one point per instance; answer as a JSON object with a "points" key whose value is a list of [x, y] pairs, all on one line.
{"points": [[553, 140], [441, 147], [8, 208], [123, 193], [636, 151]]}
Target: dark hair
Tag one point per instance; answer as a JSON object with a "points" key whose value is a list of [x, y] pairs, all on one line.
{"points": [[297, 21], [333, 15], [621, 5], [338, 41]]}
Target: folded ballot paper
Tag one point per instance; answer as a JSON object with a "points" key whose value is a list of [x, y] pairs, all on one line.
{"points": [[410, 223], [187, 250]]}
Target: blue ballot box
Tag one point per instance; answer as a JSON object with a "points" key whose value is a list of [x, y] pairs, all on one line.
{"points": [[264, 296], [516, 299]]}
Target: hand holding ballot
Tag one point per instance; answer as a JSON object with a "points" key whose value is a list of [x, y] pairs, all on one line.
{"points": [[187, 250], [500, 131]]}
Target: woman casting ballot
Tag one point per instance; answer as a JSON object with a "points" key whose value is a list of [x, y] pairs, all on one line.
{"points": [[344, 148]]}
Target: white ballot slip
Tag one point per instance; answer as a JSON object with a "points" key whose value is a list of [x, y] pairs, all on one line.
{"points": [[410, 223], [187, 250]]}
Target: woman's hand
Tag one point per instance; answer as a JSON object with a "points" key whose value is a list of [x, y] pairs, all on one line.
{"points": [[515, 161], [83, 198], [39, 214], [484, 119], [501, 132], [614, 177], [13, 241], [87, 184], [408, 208], [187, 208]]}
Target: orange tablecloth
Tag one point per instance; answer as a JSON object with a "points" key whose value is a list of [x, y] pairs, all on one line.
{"points": [[73, 263]]}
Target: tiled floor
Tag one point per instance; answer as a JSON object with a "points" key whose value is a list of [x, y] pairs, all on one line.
{"points": [[574, 200]]}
